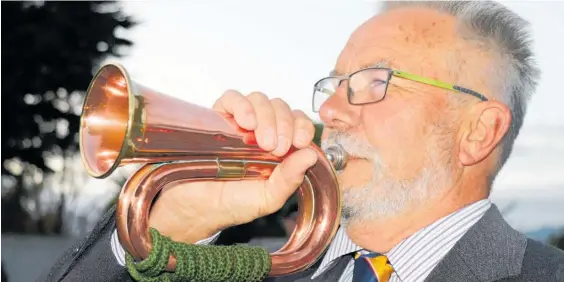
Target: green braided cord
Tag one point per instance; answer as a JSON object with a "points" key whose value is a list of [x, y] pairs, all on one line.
{"points": [[200, 262]]}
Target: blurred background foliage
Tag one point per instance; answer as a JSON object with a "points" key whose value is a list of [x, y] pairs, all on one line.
{"points": [[49, 52]]}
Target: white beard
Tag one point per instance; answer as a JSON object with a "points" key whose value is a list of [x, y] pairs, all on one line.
{"points": [[386, 197]]}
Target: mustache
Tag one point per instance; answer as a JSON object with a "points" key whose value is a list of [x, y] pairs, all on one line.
{"points": [[354, 146]]}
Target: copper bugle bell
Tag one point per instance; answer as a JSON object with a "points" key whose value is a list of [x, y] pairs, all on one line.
{"points": [[124, 123]]}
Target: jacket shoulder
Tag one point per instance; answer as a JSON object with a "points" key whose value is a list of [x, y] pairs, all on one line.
{"points": [[92, 259], [542, 262]]}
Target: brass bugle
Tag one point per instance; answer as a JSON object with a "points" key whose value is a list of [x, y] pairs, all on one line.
{"points": [[124, 122]]}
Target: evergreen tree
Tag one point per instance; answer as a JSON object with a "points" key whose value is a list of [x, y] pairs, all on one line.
{"points": [[49, 53]]}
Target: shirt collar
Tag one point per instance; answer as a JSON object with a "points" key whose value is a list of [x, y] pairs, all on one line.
{"points": [[340, 246], [429, 244]]}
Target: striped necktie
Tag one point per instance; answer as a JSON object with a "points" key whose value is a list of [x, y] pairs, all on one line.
{"points": [[371, 267]]}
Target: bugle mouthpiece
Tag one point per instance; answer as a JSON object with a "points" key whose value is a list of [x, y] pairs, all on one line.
{"points": [[337, 156]]}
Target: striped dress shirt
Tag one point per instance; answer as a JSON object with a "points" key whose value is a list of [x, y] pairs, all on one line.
{"points": [[414, 258]]}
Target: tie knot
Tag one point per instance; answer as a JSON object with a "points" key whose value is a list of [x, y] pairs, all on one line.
{"points": [[372, 265], [358, 255]]}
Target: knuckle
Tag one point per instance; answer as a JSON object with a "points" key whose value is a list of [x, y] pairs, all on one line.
{"points": [[257, 95], [279, 102], [285, 125], [231, 93], [300, 115], [284, 118], [304, 122]]}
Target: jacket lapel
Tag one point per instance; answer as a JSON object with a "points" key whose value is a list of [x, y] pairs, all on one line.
{"points": [[331, 274], [491, 250]]}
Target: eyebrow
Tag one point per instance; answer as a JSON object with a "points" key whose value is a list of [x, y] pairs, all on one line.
{"points": [[378, 64]]}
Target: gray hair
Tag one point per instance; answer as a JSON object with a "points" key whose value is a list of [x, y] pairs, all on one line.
{"points": [[492, 24]]}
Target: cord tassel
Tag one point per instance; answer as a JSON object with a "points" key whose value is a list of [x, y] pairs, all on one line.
{"points": [[200, 263]]}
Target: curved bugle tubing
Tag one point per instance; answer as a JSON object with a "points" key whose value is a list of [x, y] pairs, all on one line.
{"points": [[124, 123]]}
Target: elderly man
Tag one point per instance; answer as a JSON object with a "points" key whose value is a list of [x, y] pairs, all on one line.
{"points": [[427, 98]]}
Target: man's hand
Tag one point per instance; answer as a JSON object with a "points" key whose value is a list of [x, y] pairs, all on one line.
{"points": [[193, 211]]}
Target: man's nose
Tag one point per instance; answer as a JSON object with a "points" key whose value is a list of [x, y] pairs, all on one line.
{"points": [[337, 112]]}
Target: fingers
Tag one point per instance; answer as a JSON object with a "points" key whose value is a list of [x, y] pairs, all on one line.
{"points": [[237, 105], [275, 125], [266, 131], [284, 126], [286, 178], [292, 127], [304, 130], [276, 128]]}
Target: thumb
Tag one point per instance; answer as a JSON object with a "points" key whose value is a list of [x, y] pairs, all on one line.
{"points": [[286, 178]]}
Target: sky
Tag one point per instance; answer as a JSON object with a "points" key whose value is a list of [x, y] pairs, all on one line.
{"points": [[195, 50]]}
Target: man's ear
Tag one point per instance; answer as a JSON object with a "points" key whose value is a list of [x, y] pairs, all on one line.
{"points": [[485, 126]]}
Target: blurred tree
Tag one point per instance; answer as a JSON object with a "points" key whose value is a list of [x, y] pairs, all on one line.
{"points": [[318, 132], [49, 52], [558, 240]]}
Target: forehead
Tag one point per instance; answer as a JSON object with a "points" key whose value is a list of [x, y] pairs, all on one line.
{"points": [[369, 64], [405, 38]]}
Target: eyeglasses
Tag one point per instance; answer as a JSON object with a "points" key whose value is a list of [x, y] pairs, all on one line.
{"points": [[369, 85]]}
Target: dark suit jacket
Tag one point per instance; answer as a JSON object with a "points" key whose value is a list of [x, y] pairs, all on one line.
{"points": [[490, 251]]}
